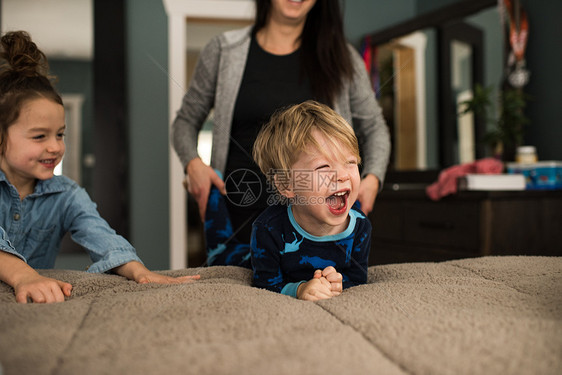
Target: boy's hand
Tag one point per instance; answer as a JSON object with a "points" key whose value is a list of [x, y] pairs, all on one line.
{"points": [[334, 277], [315, 289], [40, 289]]}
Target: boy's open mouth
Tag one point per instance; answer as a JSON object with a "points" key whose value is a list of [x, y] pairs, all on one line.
{"points": [[337, 203]]}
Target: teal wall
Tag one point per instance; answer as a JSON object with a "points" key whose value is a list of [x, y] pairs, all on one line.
{"points": [[75, 77], [431, 107], [147, 49], [148, 103], [366, 16], [426, 6], [544, 58]]}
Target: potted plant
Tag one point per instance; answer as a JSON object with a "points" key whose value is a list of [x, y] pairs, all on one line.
{"points": [[506, 132]]}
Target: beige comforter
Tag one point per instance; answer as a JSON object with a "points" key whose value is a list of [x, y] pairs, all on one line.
{"points": [[493, 315]]}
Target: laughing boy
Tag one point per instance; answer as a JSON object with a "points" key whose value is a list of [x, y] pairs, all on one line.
{"points": [[315, 242]]}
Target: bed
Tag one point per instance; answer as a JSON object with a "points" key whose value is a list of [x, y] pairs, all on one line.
{"points": [[490, 315]]}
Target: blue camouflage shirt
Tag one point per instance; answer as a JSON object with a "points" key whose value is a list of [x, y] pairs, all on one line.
{"points": [[284, 255], [32, 229]]}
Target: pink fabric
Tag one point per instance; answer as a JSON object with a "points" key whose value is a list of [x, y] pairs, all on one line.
{"points": [[447, 182]]}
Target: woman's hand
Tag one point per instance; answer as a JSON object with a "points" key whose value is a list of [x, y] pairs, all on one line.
{"points": [[368, 190], [198, 182]]}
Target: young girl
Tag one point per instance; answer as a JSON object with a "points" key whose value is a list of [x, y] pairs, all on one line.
{"points": [[36, 207]]}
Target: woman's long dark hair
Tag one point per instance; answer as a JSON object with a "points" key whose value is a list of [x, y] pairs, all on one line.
{"points": [[326, 60]]}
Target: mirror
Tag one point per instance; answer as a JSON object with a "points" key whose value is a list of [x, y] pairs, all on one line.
{"points": [[422, 70], [462, 76], [404, 96]]}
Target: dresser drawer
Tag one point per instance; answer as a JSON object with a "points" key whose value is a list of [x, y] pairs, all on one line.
{"points": [[409, 227], [387, 219], [454, 225]]}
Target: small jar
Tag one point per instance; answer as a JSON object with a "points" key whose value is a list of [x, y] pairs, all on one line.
{"points": [[526, 155]]}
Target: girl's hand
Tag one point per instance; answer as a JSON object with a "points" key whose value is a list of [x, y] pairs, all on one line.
{"points": [[40, 289], [368, 190], [138, 272], [152, 277], [28, 284]]}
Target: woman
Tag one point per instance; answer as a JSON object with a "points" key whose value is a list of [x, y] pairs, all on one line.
{"points": [[296, 51]]}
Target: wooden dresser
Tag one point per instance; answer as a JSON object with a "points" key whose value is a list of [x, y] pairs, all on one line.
{"points": [[409, 227]]}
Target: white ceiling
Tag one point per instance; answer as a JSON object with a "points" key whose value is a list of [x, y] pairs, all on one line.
{"points": [[61, 28]]}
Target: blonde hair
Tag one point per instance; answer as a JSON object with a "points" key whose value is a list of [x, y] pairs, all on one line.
{"points": [[289, 132]]}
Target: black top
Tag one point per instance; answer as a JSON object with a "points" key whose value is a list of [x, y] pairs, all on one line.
{"points": [[270, 82], [283, 252]]}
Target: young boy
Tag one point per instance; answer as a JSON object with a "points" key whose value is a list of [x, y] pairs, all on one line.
{"points": [[319, 243]]}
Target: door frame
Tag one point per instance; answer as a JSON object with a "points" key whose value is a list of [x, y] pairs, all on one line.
{"points": [[178, 12]]}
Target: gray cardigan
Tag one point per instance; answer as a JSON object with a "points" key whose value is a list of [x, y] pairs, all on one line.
{"points": [[215, 85]]}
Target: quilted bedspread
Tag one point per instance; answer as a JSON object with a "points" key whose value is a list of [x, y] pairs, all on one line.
{"points": [[491, 315]]}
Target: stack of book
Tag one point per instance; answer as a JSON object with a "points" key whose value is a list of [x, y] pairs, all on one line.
{"points": [[487, 182]]}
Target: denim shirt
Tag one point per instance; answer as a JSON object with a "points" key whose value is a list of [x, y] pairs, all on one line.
{"points": [[32, 229]]}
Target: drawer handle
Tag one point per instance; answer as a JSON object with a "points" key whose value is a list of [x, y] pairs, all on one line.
{"points": [[447, 225]]}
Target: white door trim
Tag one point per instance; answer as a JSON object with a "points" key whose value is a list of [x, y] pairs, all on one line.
{"points": [[178, 11]]}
